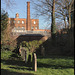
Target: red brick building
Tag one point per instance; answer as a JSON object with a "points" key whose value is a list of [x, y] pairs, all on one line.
{"points": [[22, 24]]}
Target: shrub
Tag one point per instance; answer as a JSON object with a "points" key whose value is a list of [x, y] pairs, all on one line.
{"points": [[27, 48], [31, 46], [9, 45]]}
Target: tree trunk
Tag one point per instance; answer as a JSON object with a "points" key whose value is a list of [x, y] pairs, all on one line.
{"points": [[69, 12], [65, 21], [53, 26]]}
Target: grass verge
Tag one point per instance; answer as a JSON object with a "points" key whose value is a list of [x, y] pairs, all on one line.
{"points": [[12, 64]]}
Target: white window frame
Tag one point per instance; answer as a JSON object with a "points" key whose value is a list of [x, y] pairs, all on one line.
{"points": [[34, 22], [18, 21], [35, 27], [22, 22]]}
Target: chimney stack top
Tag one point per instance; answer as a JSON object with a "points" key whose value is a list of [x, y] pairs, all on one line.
{"points": [[28, 2], [17, 15]]}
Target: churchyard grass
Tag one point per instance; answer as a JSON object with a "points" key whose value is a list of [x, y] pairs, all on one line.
{"points": [[12, 64]]}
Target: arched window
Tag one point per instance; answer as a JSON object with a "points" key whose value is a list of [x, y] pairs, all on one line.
{"points": [[34, 22]]}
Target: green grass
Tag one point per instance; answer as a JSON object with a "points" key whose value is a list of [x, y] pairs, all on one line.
{"points": [[12, 64]]}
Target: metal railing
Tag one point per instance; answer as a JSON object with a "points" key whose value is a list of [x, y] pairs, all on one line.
{"points": [[45, 33]]}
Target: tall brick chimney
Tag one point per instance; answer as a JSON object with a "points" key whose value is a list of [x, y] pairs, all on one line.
{"points": [[28, 16], [17, 15]]}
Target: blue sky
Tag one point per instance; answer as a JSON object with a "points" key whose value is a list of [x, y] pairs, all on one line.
{"points": [[20, 7]]}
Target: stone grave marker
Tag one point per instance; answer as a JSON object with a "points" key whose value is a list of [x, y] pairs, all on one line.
{"points": [[23, 53], [34, 62], [42, 51]]}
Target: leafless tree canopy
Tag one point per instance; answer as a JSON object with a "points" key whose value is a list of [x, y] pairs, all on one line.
{"points": [[9, 3], [62, 9]]}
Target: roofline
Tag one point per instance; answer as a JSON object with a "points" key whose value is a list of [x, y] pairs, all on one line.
{"points": [[23, 18]]}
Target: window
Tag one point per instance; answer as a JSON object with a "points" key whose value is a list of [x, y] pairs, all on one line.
{"points": [[22, 27], [18, 21], [22, 22], [32, 27], [14, 21], [35, 27], [34, 22]]}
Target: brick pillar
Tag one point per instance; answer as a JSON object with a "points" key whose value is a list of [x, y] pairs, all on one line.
{"points": [[28, 16], [17, 15]]}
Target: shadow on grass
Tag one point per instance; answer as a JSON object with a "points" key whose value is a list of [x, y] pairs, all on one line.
{"points": [[19, 68], [39, 64], [19, 64], [44, 65], [16, 63], [55, 57], [14, 55], [7, 72], [54, 65]]}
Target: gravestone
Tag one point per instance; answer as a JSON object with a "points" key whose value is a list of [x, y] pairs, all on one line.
{"points": [[34, 62], [20, 50], [42, 51], [25, 56], [29, 59], [23, 53]]}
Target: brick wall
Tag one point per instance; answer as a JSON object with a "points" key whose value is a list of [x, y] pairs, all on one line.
{"points": [[29, 24], [34, 24], [14, 22], [30, 38], [28, 17]]}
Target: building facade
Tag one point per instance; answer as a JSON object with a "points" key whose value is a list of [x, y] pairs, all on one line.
{"points": [[23, 25]]}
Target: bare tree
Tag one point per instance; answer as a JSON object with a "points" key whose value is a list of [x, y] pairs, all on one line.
{"points": [[9, 3], [46, 8], [69, 11], [62, 9], [53, 26], [65, 8], [42, 8]]}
